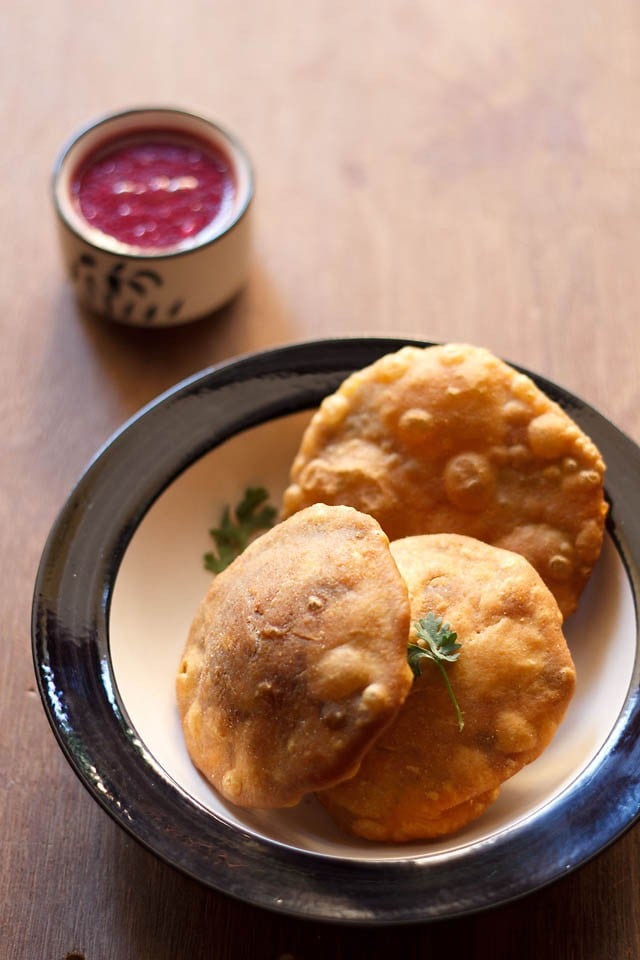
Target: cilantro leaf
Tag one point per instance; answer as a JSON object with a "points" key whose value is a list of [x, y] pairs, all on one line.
{"points": [[436, 642], [251, 515]]}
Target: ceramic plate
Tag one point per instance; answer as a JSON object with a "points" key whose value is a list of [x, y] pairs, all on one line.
{"points": [[118, 583]]}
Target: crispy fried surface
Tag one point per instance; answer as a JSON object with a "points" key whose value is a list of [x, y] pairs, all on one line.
{"points": [[296, 659], [452, 439], [513, 680]]}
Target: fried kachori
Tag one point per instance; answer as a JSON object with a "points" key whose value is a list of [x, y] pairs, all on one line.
{"points": [[452, 439], [296, 659], [513, 679]]}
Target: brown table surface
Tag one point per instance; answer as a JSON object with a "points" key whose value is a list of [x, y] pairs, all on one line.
{"points": [[453, 171]]}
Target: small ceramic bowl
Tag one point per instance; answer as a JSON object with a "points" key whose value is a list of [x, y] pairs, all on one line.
{"points": [[157, 280]]}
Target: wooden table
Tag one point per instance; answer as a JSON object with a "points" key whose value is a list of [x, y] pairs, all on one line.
{"points": [[461, 171]]}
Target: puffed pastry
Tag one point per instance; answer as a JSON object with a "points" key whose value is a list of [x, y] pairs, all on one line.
{"points": [[513, 679], [451, 439], [296, 659]]}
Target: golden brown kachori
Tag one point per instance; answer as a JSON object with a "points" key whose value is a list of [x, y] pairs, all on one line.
{"points": [[296, 658], [452, 439], [513, 679]]}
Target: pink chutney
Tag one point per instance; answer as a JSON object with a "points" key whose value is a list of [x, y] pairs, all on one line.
{"points": [[155, 189]]}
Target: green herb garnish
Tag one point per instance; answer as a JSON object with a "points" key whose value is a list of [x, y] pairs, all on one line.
{"points": [[436, 642], [250, 516]]}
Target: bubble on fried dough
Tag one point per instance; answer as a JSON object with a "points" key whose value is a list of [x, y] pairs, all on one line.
{"points": [[516, 412], [416, 421], [339, 673], [588, 541], [452, 354], [560, 567], [551, 435], [375, 698], [335, 409], [469, 481]]}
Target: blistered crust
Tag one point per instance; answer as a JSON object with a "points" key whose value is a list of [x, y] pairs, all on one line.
{"points": [[296, 659], [513, 680], [452, 439]]}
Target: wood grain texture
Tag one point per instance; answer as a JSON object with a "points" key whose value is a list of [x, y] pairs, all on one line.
{"points": [[461, 171]]}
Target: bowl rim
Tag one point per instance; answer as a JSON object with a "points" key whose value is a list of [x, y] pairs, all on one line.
{"points": [[92, 237], [70, 647]]}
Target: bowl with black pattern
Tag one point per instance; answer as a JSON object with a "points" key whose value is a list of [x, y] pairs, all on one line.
{"points": [[153, 207]]}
